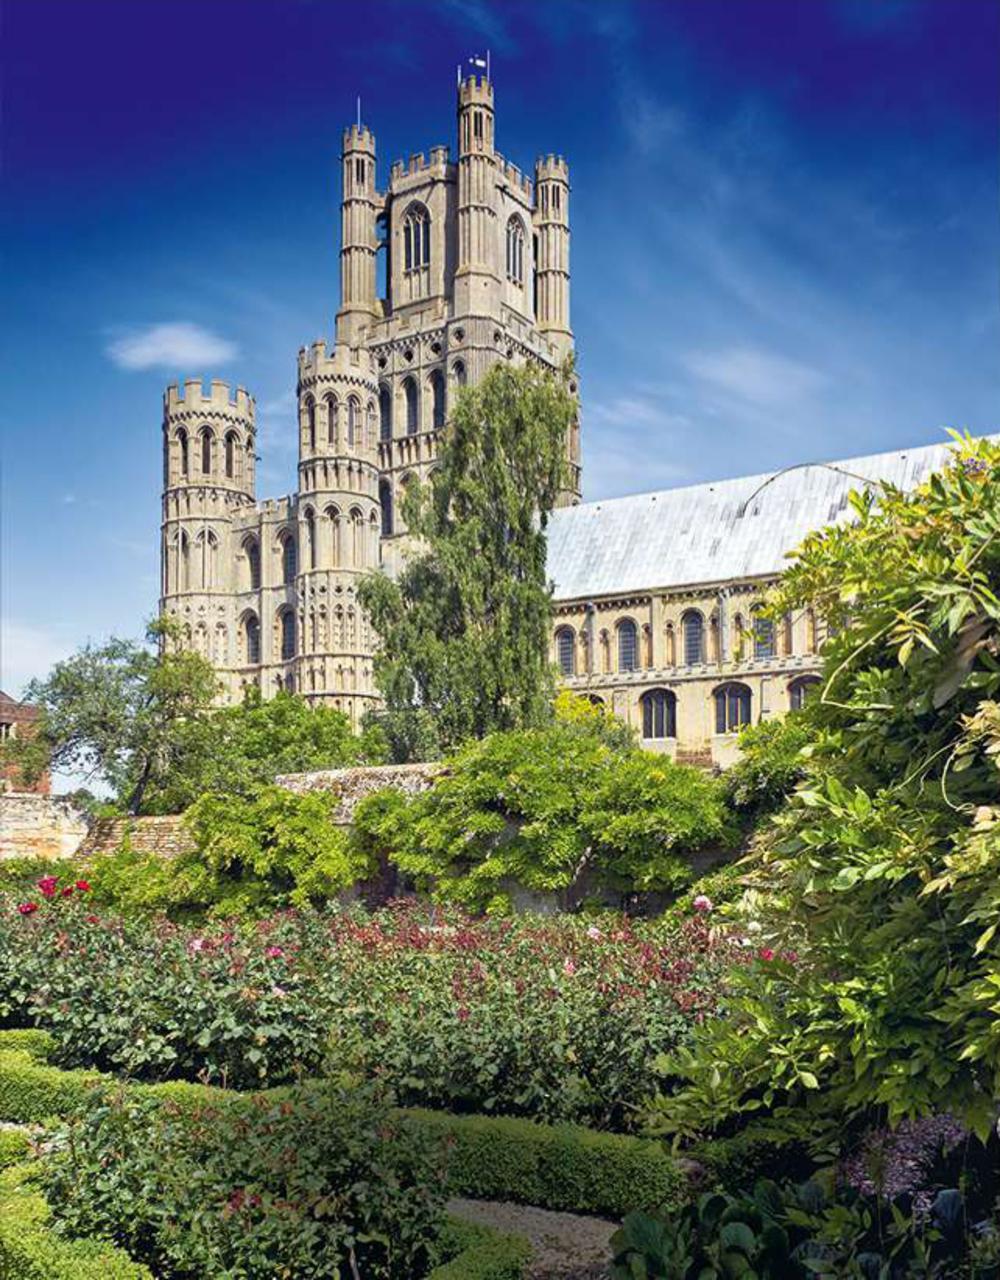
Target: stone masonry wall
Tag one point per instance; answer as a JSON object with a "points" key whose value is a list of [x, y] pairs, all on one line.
{"points": [[165, 836], [352, 785], [34, 826]]}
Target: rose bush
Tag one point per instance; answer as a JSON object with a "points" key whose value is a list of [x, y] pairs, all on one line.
{"points": [[561, 1019]]}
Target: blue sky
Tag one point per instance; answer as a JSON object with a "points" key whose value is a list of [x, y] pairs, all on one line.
{"points": [[786, 239]]}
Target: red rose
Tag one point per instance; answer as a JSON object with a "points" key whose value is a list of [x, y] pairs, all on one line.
{"points": [[68, 891], [83, 886], [766, 953], [93, 919], [26, 908], [463, 1014], [47, 886]]}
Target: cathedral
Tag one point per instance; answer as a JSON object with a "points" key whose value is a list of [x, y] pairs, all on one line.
{"points": [[656, 595]]}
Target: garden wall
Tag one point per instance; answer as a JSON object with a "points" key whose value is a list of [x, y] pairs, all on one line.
{"points": [[352, 785], [33, 826], [165, 836]]}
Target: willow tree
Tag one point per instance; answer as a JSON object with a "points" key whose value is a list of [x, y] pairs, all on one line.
{"points": [[465, 628]]}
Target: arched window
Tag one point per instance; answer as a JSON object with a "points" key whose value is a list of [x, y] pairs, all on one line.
{"points": [[333, 515], [289, 560], [231, 443], [628, 646], [437, 399], [310, 423], [515, 250], [594, 700], [206, 451], [184, 562], [800, 690], [369, 440], [763, 634], [252, 549], [693, 629], [332, 408], [353, 421], [208, 547], [566, 651], [385, 501], [416, 238], [384, 413], [310, 523], [810, 631], [287, 635], [732, 708], [182, 442], [659, 714], [458, 373], [412, 406], [787, 636], [357, 538], [251, 635]]}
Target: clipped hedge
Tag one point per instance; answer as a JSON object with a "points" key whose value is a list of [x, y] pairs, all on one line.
{"points": [[30, 1249], [562, 1167], [479, 1253]]}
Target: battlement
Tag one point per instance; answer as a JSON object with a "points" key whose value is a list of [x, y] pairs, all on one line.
{"points": [[551, 167], [356, 139], [220, 399], [475, 90], [317, 361], [439, 157], [275, 508], [513, 176]]}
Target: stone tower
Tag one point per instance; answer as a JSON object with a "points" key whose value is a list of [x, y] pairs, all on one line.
{"points": [[475, 261], [208, 481]]}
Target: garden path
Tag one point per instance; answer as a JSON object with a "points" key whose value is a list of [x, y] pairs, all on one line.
{"points": [[567, 1246]]}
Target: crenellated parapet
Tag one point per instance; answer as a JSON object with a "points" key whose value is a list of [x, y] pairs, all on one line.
{"points": [[209, 437], [338, 407]]}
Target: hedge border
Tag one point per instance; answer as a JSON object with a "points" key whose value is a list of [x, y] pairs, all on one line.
{"points": [[559, 1167], [31, 1250]]}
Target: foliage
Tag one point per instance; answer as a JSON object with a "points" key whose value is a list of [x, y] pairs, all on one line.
{"points": [[325, 1179], [237, 750], [556, 1019], [549, 809], [112, 712], [465, 629], [879, 986], [797, 1233], [770, 764]]}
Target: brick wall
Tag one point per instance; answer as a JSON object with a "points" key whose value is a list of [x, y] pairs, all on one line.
{"points": [[35, 826]]}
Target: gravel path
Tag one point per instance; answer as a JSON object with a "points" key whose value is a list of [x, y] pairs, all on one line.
{"points": [[566, 1245]]}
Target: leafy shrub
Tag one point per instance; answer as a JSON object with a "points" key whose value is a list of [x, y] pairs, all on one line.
{"points": [[882, 870], [555, 1019], [14, 1146], [770, 764], [325, 1179], [796, 1233], [543, 808]]}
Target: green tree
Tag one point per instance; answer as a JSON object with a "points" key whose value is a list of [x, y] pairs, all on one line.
{"points": [[113, 713], [234, 751], [878, 987], [465, 628]]}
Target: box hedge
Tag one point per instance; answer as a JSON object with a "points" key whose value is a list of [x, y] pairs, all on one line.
{"points": [[562, 1167]]}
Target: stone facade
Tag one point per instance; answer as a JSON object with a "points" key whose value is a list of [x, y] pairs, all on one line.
{"points": [[476, 266]]}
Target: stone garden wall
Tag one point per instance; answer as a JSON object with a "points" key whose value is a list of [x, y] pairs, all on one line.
{"points": [[34, 826]]}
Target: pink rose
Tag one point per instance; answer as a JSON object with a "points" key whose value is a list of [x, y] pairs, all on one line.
{"points": [[28, 908], [569, 967], [273, 953], [766, 953], [702, 904], [594, 933]]}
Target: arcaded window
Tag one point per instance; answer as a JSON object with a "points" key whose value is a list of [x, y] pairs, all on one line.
{"points": [[412, 406], [763, 634], [659, 714], [206, 451], [732, 708], [251, 631], [311, 421], [693, 629], [566, 651], [332, 408], [458, 373], [310, 523], [289, 560], [353, 421], [182, 443], [416, 238], [628, 646], [369, 440], [515, 250], [437, 394], [252, 549], [385, 502], [287, 635], [231, 447], [800, 690], [384, 413]]}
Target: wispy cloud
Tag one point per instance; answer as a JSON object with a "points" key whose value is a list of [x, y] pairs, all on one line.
{"points": [[630, 444], [178, 345], [763, 378]]}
